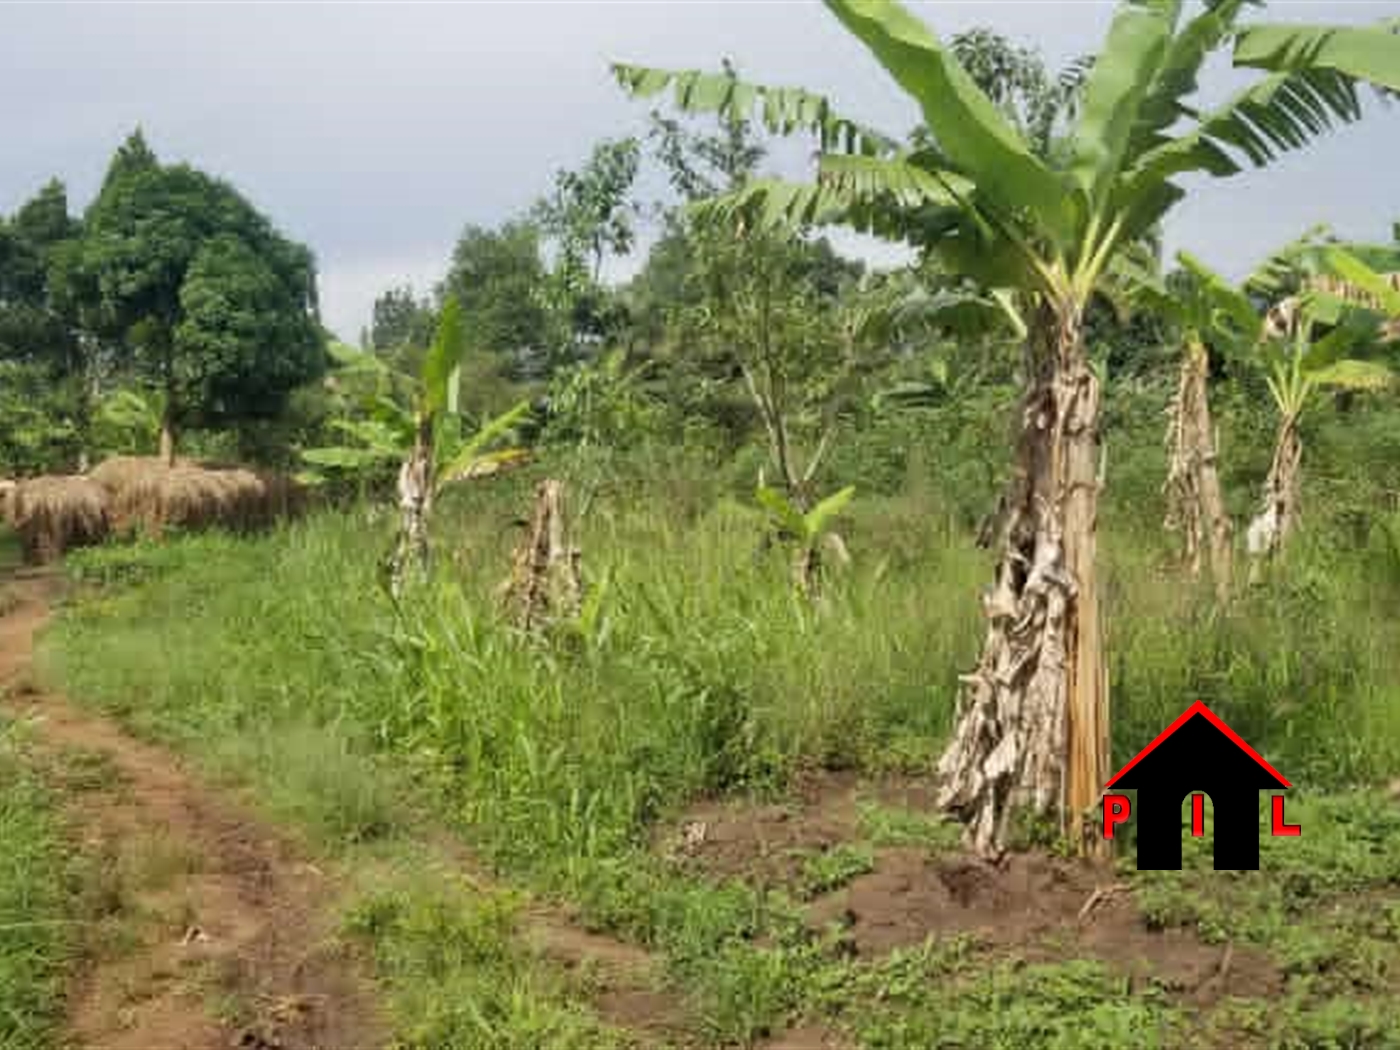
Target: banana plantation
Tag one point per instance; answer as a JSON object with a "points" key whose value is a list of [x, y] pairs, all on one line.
{"points": [[714, 604]]}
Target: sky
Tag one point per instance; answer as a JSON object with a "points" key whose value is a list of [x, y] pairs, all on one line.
{"points": [[373, 132]]}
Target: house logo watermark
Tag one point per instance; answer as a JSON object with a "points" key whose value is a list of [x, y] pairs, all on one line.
{"points": [[1197, 755]]}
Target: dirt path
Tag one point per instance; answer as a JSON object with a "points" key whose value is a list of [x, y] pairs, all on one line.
{"points": [[218, 933]]}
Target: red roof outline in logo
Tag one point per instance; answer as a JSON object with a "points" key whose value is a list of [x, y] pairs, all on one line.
{"points": [[1199, 708]]}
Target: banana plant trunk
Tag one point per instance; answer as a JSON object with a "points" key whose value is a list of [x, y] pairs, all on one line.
{"points": [[415, 503], [545, 585], [1195, 505], [1032, 726], [1270, 529]]}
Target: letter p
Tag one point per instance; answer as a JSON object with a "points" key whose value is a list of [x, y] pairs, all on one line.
{"points": [[1116, 809]]}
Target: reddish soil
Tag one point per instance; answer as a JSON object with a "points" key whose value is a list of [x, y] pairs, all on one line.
{"points": [[228, 943], [625, 980], [1031, 904], [766, 843], [807, 1037]]}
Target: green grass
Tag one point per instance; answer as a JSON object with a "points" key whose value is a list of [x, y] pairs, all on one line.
{"points": [[280, 662], [457, 976], [36, 936]]}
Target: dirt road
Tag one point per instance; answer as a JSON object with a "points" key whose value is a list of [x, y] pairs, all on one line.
{"points": [[209, 930]]}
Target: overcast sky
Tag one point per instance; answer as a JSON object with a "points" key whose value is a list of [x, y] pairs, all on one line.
{"points": [[374, 132]]}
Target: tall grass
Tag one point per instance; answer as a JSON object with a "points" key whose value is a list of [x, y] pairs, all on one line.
{"points": [[696, 670], [35, 935]]}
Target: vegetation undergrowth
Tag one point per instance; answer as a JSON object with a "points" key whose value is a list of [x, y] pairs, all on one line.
{"points": [[37, 940], [692, 672]]}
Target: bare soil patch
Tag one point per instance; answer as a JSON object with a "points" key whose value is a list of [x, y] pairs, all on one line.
{"points": [[767, 843], [227, 941], [1031, 904]]}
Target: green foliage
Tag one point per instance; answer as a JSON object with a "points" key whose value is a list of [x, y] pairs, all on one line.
{"points": [[208, 302], [942, 996], [560, 760], [831, 869], [38, 432], [128, 422], [601, 404], [400, 319], [975, 189], [889, 826], [499, 278], [458, 978], [588, 216], [36, 943]]}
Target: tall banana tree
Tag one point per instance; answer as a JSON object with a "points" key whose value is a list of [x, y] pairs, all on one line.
{"points": [[1192, 304], [1032, 725], [1211, 316]]}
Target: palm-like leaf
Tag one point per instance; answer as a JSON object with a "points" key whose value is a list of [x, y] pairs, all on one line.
{"points": [[443, 356], [350, 361], [968, 126], [1229, 309], [783, 511], [1177, 75], [819, 517], [1384, 289], [1352, 374], [1138, 42], [472, 460], [781, 110], [348, 458], [1370, 53]]}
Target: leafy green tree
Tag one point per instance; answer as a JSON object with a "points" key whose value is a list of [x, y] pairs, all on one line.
{"points": [[209, 303], [499, 278], [400, 319], [46, 307], [588, 216], [759, 307], [1040, 105], [37, 433], [1033, 725]]}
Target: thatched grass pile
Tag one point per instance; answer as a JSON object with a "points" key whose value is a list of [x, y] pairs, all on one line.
{"points": [[149, 497], [119, 472], [54, 514]]}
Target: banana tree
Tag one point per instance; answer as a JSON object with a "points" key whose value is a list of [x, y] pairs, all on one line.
{"points": [[1312, 340], [1211, 316], [807, 531], [1032, 725], [432, 454], [1195, 506]]}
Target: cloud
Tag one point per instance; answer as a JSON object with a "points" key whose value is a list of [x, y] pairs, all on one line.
{"points": [[374, 132]]}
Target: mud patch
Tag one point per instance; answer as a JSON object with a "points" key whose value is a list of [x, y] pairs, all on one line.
{"points": [[807, 1037], [1033, 905], [768, 844]]}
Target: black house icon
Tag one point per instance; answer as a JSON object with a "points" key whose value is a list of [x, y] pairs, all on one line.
{"points": [[1198, 753]]}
